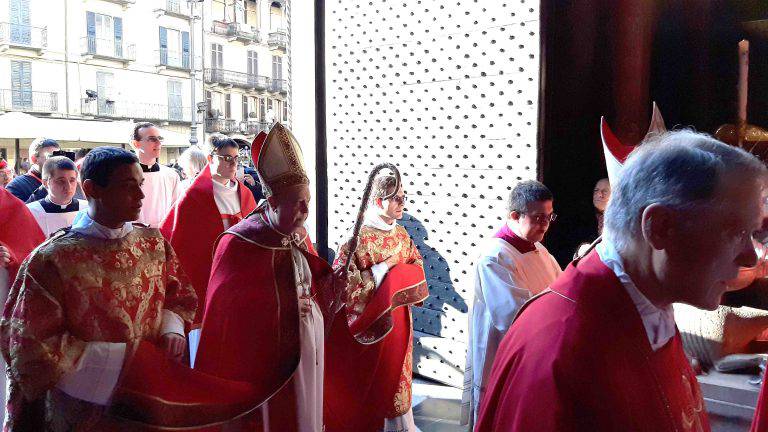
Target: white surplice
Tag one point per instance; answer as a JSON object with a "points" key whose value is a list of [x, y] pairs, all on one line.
{"points": [[52, 222], [161, 190], [505, 279]]}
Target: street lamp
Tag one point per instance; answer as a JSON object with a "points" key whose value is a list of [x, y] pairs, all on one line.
{"points": [[192, 18]]}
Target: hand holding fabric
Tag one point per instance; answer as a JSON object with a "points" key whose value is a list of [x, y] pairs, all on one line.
{"points": [[175, 345]]}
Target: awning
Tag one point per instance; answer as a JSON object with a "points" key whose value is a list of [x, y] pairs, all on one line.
{"points": [[90, 133]]}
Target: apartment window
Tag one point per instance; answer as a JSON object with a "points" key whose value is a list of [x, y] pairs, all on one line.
{"points": [[174, 48], [217, 56], [104, 35], [285, 111], [253, 63], [21, 32], [175, 110], [262, 110], [208, 104], [244, 107], [275, 17], [104, 90], [277, 67], [252, 12], [228, 106], [21, 84]]}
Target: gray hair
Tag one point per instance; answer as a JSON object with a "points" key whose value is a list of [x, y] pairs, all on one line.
{"points": [[193, 159], [527, 192], [680, 170]]}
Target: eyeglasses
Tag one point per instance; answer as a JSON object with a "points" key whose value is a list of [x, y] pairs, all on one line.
{"points": [[227, 158], [400, 200], [154, 139], [542, 218]]}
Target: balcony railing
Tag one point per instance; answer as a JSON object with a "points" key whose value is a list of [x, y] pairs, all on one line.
{"points": [[107, 48], [173, 59], [123, 3], [237, 79], [252, 127], [236, 31], [23, 36], [278, 40], [28, 101], [221, 125], [177, 8], [279, 86], [105, 107]]}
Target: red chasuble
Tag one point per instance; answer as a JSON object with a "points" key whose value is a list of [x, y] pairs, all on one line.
{"points": [[577, 358], [19, 232], [250, 327], [192, 228], [760, 422], [368, 368]]}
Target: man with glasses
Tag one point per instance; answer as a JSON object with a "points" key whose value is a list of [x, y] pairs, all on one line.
{"points": [[214, 202], [24, 186], [161, 186], [513, 266], [373, 393]]}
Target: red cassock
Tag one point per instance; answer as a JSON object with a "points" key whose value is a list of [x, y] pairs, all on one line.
{"points": [[250, 327], [577, 358], [760, 422], [19, 232], [192, 227]]}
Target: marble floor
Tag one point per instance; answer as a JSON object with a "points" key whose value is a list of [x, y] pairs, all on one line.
{"points": [[436, 407]]}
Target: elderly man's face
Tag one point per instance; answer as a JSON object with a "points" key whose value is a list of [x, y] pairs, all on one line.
{"points": [[601, 194], [711, 249], [290, 208]]}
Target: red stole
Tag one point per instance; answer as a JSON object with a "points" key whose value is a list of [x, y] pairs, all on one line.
{"points": [[361, 381], [19, 232], [250, 328], [577, 358], [192, 227]]}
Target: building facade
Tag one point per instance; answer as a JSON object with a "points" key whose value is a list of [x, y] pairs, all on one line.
{"points": [[246, 65], [192, 67]]}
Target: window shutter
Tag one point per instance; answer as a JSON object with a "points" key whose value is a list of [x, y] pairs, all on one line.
{"points": [[90, 27], [163, 46], [185, 61], [118, 24]]}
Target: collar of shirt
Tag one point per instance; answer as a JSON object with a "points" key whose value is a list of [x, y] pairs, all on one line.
{"points": [[83, 224], [659, 323], [373, 219], [522, 245], [146, 168], [51, 207]]}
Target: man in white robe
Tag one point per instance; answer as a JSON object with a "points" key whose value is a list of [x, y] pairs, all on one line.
{"points": [[162, 185], [59, 208], [513, 266]]}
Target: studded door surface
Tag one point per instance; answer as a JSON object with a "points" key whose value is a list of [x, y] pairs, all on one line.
{"points": [[447, 91]]}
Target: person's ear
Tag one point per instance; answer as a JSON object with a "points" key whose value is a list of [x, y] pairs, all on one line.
{"points": [[210, 158], [33, 159], [660, 226], [91, 189], [379, 203], [45, 183], [515, 215]]}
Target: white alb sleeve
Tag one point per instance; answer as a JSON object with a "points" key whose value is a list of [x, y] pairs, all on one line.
{"points": [[379, 271], [95, 377]]}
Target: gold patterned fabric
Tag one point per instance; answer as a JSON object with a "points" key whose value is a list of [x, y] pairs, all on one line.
{"points": [[374, 246], [76, 289]]}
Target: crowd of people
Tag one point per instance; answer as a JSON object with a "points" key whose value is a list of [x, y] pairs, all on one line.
{"points": [[138, 298]]}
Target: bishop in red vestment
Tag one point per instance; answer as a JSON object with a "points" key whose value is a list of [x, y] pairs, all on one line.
{"points": [[270, 299], [599, 350], [369, 371], [215, 201]]}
